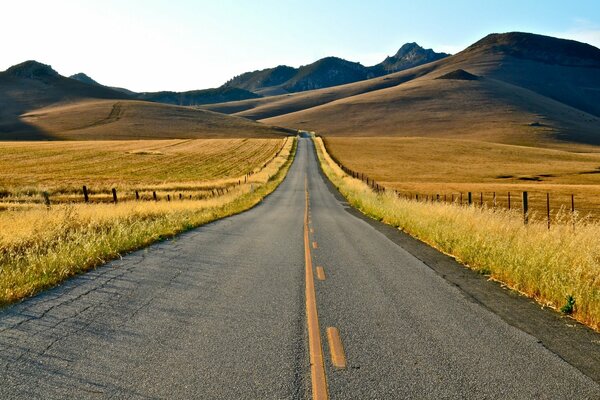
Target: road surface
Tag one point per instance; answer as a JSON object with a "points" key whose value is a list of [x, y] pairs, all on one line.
{"points": [[223, 311]]}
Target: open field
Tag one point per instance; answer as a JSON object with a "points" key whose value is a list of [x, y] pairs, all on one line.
{"points": [[40, 247], [429, 167], [177, 166], [547, 265]]}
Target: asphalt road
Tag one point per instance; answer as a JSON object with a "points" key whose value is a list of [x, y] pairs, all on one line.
{"points": [[220, 312]]}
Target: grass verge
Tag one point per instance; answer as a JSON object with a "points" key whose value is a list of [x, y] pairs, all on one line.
{"points": [[39, 248], [559, 268]]}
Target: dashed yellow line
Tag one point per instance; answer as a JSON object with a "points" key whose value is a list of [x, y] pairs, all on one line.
{"points": [[320, 273], [315, 348], [336, 349]]}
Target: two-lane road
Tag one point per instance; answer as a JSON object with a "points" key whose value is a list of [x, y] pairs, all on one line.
{"points": [[222, 312]]}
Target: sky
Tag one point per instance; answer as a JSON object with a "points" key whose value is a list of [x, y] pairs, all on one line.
{"points": [[151, 45]]}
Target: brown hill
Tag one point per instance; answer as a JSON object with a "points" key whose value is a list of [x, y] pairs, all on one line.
{"points": [[132, 119], [529, 88]]}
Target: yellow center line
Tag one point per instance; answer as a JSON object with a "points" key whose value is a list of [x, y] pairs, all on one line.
{"points": [[317, 366], [320, 273], [338, 357]]}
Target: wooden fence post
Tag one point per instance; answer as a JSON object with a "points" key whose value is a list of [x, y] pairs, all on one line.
{"points": [[461, 198], [495, 200], [509, 200], [154, 196], [137, 195], [548, 208], [481, 199], [525, 208], [470, 198], [180, 196], [85, 194], [114, 193], [46, 199], [168, 197], [573, 209]]}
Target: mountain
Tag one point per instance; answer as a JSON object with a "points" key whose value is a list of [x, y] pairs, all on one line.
{"points": [[189, 98], [329, 71], [514, 88], [31, 85], [37, 103], [410, 55]]}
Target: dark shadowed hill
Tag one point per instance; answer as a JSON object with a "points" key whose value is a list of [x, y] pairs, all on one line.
{"points": [[187, 98], [330, 71]]}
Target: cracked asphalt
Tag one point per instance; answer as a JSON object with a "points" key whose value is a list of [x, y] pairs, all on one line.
{"points": [[219, 312]]}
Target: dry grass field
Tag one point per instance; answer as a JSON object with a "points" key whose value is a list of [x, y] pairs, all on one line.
{"points": [[40, 247], [177, 166], [432, 166], [547, 265]]}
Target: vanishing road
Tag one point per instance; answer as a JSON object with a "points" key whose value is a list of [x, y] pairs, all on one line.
{"points": [[227, 311]]}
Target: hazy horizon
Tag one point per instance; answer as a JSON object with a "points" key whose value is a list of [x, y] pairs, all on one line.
{"points": [[186, 45]]}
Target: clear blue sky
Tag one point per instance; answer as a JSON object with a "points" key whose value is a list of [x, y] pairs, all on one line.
{"points": [[180, 45]]}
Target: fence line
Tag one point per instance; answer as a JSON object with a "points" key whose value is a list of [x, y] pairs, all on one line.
{"points": [[211, 192], [525, 203]]}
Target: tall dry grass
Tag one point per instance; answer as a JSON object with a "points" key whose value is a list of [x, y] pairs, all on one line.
{"points": [[547, 265], [41, 247]]}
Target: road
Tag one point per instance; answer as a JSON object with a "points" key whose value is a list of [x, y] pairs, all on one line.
{"points": [[224, 311]]}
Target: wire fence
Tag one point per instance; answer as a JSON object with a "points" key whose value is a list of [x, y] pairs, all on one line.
{"points": [[544, 206], [113, 195]]}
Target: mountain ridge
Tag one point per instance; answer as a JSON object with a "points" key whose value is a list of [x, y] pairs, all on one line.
{"points": [[330, 71]]}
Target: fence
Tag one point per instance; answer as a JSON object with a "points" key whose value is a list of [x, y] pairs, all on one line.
{"points": [[538, 205], [86, 195]]}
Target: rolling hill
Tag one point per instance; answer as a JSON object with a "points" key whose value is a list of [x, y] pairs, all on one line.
{"points": [[521, 89], [37, 103], [134, 119]]}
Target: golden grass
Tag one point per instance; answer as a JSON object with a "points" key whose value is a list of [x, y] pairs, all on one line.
{"points": [[39, 248], [547, 265], [62, 168], [431, 166]]}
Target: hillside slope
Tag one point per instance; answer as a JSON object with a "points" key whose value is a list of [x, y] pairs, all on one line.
{"points": [[128, 119]]}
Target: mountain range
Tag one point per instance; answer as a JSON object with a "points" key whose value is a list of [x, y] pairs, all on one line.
{"points": [[514, 88], [326, 72]]}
